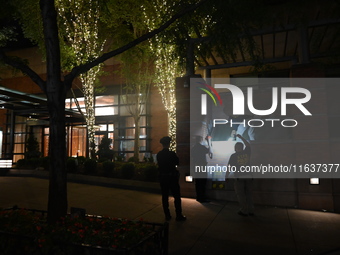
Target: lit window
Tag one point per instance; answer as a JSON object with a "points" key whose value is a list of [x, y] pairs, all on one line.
{"points": [[105, 111]]}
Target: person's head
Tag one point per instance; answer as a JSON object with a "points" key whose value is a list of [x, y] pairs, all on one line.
{"points": [[165, 141], [238, 147]]}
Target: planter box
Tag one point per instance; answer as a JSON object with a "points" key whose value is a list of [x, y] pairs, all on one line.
{"points": [[155, 241]]}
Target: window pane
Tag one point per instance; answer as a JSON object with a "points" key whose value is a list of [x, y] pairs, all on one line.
{"points": [[127, 145], [105, 111], [142, 133], [78, 142], [106, 100], [46, 143], [19, 138], [102, 127]]}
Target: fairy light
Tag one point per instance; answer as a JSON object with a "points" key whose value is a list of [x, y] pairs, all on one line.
{"points": [[82, 36], [166, 67]]}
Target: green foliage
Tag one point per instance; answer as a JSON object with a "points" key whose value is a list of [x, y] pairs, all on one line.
{"points": [[150, 172], [21, 163], [25, 232], [32, 148], [81, 160], [31, 163], [7, 34], [132, 159], [90, 166], [128, 170], [149, 159], [108, 168], [29, 15], [45, 163], [146, 172], [71, 165]]}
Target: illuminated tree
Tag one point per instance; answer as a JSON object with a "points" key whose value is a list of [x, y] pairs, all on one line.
{"points": [[79, 22], [167, 66], [138, 73]]}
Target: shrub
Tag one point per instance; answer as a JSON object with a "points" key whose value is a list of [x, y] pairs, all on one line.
{"points": [[132, 159], [81, 160], [90, 166], [25, 232], [108, 168], [120, 158], [44, 162], [21, 163], [71, 165], [32, 148], [128, 170], [33, 162], [151, 172], [149, 159]]}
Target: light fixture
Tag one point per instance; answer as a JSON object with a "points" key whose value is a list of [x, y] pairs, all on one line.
{"points": [[188, 178], [314, 181]]}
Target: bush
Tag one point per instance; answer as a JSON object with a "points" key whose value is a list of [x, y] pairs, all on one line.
{"points": [[45, 163], [32, 148], [33, 163], [108, 168], [128, 170], [90, 166], [132, 159], [149, 159], [71, 165], [26, 232], [151, 172], [21, 163], [81, 160], [120, 158]]}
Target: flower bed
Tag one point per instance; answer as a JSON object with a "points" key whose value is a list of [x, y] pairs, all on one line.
{"points": [[26, 232]]}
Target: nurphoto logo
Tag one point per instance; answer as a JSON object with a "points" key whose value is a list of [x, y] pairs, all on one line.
{"points": [[238, 107]]}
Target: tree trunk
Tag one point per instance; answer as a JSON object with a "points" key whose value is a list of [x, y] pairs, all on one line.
{"points": [[137, 132], [57, 196], [56, 93]]}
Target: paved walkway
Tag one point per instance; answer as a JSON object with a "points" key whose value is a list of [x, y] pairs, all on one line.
{"points": [[212, 228]]}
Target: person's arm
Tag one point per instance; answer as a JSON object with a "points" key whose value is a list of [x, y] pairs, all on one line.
{"points": [[246, 143], [210, 152]]}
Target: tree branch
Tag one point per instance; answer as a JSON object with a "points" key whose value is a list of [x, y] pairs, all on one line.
{"points": [[24, 69], [85, 67]]}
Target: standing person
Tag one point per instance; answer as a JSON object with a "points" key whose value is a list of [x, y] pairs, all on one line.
{"points": [[199, 154], [243, 181], [169, 179]]}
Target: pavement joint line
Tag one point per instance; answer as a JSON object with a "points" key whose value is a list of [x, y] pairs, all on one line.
{"points": [[197, 240], [140, 216], [292, 231]]}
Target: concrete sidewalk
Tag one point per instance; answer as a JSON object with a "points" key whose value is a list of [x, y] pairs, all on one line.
{"points": [[212, 228]]}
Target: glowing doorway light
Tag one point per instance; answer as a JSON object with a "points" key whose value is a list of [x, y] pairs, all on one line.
{"points": [[314, 181], [188, 178]]}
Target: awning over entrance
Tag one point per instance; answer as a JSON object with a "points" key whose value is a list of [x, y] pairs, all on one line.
{"points": [[28, 105]]}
